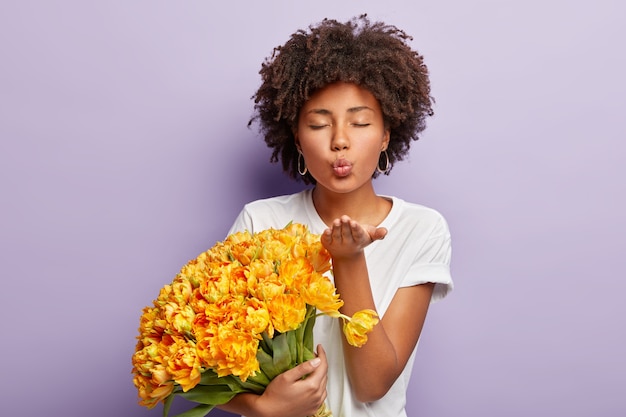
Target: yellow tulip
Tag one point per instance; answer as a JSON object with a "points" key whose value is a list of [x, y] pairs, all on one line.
{"points": [[150, 394], [356, 328], [245, 252], [160, 392], [287, 311], [234, 352], [269, 288], [257, 317], [320, 292], [184, 365], [222, 307], [295, 273]]}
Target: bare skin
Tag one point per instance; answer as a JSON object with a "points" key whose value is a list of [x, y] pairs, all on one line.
{"points": [[343, 122], [341, 134], [298, 392], [373, 368]]}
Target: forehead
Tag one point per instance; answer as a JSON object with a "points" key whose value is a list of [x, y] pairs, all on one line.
{"points": [[342, 96]]}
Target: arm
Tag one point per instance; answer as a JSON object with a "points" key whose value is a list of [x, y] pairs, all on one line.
{"points": [[373, 368], [289, 394]]}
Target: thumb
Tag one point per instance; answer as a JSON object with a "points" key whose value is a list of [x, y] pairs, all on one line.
{"points": [[303, 369]]}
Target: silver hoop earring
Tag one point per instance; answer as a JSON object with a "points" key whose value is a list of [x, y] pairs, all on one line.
{"points": [[387, 167], [300, 170]]}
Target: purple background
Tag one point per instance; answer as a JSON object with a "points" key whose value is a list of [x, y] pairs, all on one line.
{"points": [[124, 153]]}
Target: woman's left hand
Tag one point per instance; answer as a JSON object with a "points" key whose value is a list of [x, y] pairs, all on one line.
{"points": [[346, 237]]}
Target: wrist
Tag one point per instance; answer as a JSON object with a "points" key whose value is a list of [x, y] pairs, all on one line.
{"points": [[349, 258], [259, 405]]}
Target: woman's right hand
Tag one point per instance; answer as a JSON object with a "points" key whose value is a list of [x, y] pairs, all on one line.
{"points": [[298, 392]]}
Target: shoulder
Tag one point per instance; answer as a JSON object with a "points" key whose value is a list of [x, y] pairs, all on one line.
{"points": [[278, 202], [411, 216], [268, 211], [274, 212]]}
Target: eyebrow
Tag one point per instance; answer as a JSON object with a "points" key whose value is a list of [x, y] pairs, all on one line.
{"points": [[350, 110]]}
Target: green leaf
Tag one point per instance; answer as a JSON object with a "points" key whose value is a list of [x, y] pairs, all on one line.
{"points": [[209, 377], [250, 385], [198, 411], [266, 363], [282, 354], [237, 385], [254, 384], [260, 379], [292, 342], [266, 344], [167, 404], [308, 354], [308, 330], [209, 394]]}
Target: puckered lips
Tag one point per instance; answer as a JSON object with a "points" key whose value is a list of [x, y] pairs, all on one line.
{"points": [[342, 167]]}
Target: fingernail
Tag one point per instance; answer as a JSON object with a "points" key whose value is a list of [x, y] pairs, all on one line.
{"points": [[316, 362]]}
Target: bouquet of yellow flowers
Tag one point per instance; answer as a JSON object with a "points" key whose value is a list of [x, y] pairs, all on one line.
{"points": [[237, 316]]}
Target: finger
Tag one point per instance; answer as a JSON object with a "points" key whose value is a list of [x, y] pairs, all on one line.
{"points": [[359, 234], [303, 369], [321, 372], [321, 353], [336, 230], [379, 233], [347, 228], [327, 235]]}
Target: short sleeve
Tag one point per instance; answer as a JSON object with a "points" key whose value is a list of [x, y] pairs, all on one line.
{"points": [[242, 223], [432, 263]]}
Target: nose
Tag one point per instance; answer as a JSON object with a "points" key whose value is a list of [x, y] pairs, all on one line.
{"points": [[340, 140]]}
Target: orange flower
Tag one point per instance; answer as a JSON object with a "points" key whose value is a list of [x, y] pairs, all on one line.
{"points": [[238, 281], [229, 351], [149, 394], [320, 292], [276, 249], [151, 323], [257, 317], [183, 364], [219, 311], [268, 288], [226, 311], [179, 318], [356, 328], [287, 311], [244, 252], [312, 249], [216, 283], [194, 271], [152, 379], [181, 291], [259, 269], [236, 239], [295, 229], [295, 273]]}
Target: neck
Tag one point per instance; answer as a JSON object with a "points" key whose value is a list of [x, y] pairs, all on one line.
{"points": [[362, 205]]}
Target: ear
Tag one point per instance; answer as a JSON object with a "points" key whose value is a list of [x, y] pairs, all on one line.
{"points": [[386, 138], [296, 141]]}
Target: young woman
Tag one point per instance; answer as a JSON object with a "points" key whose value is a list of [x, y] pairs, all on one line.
{"points": [[339, 104]]}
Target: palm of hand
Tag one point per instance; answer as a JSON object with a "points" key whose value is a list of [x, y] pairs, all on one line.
{"points": [[346, 237]]}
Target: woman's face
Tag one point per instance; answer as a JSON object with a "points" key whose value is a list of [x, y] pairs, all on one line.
{"points": [[341, 133]]}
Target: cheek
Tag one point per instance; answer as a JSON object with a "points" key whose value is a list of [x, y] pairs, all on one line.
{"points": [[376, 148], [373, 161], [312, 142]]}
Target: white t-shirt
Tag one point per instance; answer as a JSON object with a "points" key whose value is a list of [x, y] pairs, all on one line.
{"points": [[416, 250]]}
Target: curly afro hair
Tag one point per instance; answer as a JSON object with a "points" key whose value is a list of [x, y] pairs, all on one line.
{"points": [[370, 54]]}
